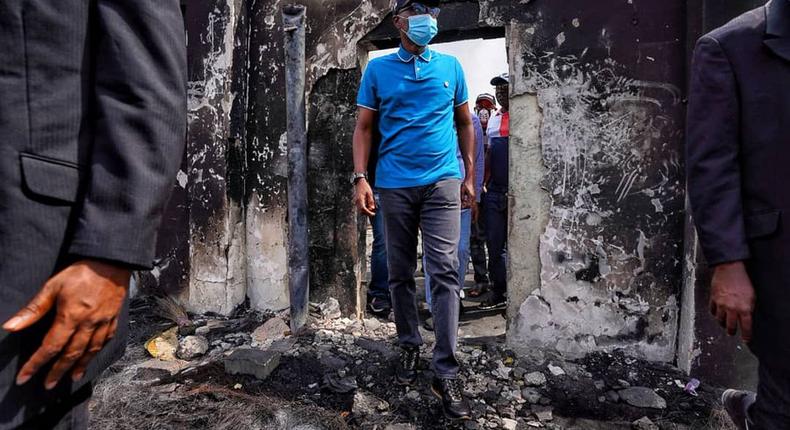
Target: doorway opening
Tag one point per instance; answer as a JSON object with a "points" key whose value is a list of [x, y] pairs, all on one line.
{"points": [[482, 59]]}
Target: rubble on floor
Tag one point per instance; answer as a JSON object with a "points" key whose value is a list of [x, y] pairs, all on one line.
{"points": [[249, 371], [191, 347], [251, 361]]}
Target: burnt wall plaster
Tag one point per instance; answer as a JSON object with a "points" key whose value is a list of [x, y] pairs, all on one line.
{"points": [[265, 185], [199, 256], [334, 252], [215, 142], [607, 82]]}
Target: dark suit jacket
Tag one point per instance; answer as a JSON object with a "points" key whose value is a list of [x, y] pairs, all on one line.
{"points": [[738, 160], [92, 129]]}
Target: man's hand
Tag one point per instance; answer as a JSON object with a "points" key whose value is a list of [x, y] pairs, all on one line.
{"points": [[363, 198], [88, 296], [732, 298], [467, 193]]}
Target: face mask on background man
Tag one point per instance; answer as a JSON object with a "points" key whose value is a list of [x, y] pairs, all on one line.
{"points": [[484, 115]]}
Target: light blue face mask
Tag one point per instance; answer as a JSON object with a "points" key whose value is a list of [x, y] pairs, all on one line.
{"points": [[422, 29]]}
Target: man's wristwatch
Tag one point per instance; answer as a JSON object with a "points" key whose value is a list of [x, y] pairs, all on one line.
{"points": [[356, 176]]}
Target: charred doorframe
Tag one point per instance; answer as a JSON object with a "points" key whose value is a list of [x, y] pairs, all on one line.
{"points": [[458, 21]]}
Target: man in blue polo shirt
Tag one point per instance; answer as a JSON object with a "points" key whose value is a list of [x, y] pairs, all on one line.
{"points": [[418, 99]]}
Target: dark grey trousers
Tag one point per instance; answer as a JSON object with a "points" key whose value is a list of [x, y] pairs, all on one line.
{"points": [[436, 209], [771, 411]]}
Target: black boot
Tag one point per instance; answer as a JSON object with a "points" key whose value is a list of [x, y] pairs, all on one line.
{"points": [[496, 300], [450, 392], [406, 369], [427, 324]]}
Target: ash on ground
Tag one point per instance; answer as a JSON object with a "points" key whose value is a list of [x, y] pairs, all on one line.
{"points": [[247, 371]]}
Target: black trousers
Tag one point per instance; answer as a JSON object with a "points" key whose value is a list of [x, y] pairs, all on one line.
{"points": [[477, 246], [496, 239], [771, 411], [70, 413]]}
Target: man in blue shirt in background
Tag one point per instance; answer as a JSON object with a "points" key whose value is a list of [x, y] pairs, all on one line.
{"points": [[416, 96], [378, 287]]}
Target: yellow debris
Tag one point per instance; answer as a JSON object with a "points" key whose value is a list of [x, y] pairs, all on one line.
{"points": [[164, 345]]}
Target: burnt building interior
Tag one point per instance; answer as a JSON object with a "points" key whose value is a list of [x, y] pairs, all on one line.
{"points": [[602, 254]]}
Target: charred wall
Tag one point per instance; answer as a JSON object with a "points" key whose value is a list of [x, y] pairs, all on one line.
{"points": [[334, 27], [201, 241], [608, 83], [334, 253], [597, 199], [217, 36]]}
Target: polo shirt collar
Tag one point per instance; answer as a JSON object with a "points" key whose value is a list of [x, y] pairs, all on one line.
{"points": [[407, 56]]}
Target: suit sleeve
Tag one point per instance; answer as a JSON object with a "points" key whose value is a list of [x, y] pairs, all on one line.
{"points": [[139, 122], [712, 157]]}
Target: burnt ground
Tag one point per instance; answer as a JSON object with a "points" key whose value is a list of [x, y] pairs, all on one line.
{"points": [[338, 375]]}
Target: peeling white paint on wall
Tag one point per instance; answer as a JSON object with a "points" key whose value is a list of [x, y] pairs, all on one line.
{"points": [[688, 343], [491, 15], [217, 64], [337, 46], [267, 259], [596, 290], [560, 39], [216, 281], [182, 179]]}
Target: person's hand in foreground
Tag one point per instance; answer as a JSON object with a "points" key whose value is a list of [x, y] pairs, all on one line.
{"points": [[732, 298], [87, 296]]}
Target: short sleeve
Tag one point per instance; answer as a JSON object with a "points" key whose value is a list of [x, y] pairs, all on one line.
{"points": [[367, 96], [461, 92]]}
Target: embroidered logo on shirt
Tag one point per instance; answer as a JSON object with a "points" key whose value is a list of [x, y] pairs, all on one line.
{"points": [[446, 84]]}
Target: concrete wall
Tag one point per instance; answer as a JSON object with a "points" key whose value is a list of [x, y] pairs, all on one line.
{"points": [[202, 239], [604, 218], [217, 101], [334, 251]]}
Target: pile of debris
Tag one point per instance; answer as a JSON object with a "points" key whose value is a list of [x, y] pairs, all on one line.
{"points": [[249, 371]]}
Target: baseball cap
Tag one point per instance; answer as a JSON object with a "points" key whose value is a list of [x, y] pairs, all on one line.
{"points": [[502, 79], [399, 5], [486, 100]]}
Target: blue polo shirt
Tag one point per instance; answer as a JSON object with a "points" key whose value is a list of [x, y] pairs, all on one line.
{"points": [[415, 97]]}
